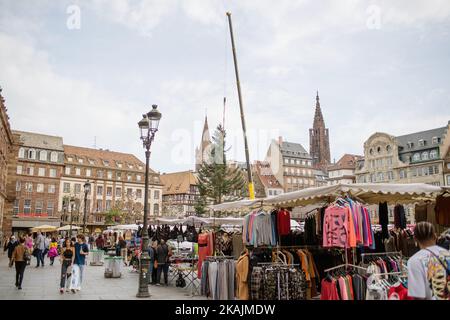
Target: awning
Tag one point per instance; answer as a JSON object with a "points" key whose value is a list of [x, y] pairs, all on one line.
{"points": [[67, 228], [44, 228], [371, 193]]}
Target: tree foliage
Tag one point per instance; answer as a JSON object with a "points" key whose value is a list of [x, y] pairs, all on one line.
{"points": [[218, 182]]}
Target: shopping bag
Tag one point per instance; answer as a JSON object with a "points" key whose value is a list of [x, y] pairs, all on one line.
{"points": [[75, 278]]}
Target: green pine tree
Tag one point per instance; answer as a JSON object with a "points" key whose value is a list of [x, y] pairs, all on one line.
{"points": [[216, 181]]}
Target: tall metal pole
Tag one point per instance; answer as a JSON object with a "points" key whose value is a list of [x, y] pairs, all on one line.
{"points": [[85, 211], [251, 189], [145, 258], [71, 211]]}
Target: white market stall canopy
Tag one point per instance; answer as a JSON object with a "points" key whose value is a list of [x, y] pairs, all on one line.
{"points": [[124, 227], [370, 193], [44, 228], [189, 220], [67, 228]]}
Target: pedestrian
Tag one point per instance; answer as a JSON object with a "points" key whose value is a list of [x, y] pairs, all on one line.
{"points": [[162, 258], [39, 247], [47, 245], [20, 257], [80, 253], [100, 242], [67, 255], [152, 254], [91, 242], [53, 250], [423, 265], [29, 244], [122, 247], [10, 246]]}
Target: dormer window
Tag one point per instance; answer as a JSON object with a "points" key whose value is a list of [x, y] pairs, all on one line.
{"points": [[421, 142], [410, 145], [106, 163], [80, 160], [91, 161], [119, 165], [435, 140], [70, 159]]}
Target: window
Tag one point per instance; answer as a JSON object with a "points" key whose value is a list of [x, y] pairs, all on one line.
{"points": [[371, 151], [109, 174], [18, 185], [51, 188], [16, 206], [380, 176], [119, 175], [91, 161], [156, 209], [99, 190], [77, 188], [30, 171], [77, 171], [106, 163], [108, 205], [288, 180], [99, 173], [41, 172], [39, 205], [388, 148], [53, 156], [53, 173], [436, 140], [286, 160], [118, 192], [129, 192], [70, 159], [43, 155], [403, 174], [410, 145], [433, 154], [390, 175], [448, 180], [40, 187], [22, 153], [67, 170], [109, 191], [425, 155], [421, 142], [99, 205], [19, 170], [379, 149], [66, 187], [129, 177], [138, 193], [119, 165], [389, 161], [50, 208], [416, 157], [32, 154], [28, 187], [27, 206], [138, 177], [88, 172], [80, 160]]}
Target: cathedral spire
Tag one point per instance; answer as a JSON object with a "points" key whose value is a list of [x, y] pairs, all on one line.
{"points": [[318, 117], [318, 139]]}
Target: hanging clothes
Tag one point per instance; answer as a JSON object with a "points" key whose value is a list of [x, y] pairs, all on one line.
{"points": [[383, 215], [258, 229], [399, 217], [242, 275], [205, 248], [283, 222], [217, 280], [442, 209]]}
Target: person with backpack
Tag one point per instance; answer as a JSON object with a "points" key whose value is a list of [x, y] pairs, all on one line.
{"points": [[428, 269], [20, 257]]}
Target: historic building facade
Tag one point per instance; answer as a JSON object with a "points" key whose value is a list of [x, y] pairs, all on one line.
{"points": [[413, 158], [343, 171], [319, 142], [36, 178], [6, 143], [180, 193], [264, 174], [291, 165], [117, 185]]}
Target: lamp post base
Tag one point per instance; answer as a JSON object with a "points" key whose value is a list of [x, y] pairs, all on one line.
{"points": [[143, 295], [144, 274]]}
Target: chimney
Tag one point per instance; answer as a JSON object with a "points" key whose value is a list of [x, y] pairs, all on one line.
{"points": [[280, 140]]}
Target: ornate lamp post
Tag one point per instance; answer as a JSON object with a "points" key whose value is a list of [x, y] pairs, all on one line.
{"points": [[87, 190], [72, 205], [148, 126]]}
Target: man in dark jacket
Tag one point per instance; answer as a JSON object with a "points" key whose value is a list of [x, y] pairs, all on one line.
{"points": [[10, 246], [162, 257]]}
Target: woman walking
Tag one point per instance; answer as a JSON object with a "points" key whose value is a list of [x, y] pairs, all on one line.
{"points": [[67, 254], [19, 257], [10, 246], [53, 251]]}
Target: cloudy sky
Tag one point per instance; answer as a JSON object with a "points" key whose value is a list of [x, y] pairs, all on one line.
{"points": [[87, 70]]}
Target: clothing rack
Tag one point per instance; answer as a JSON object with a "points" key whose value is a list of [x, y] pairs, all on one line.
{"points": [[279, 264], [209, 258], [346, 265], [393, 253]]}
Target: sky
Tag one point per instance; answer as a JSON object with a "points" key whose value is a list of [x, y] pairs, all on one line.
{"points": [[88, 70]]}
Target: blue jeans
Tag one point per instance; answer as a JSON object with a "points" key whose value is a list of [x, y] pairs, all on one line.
{"points": [[40, 257], [81, 273]]}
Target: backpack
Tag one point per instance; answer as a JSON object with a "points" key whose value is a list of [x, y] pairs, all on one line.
{"points": [[181, 283], [439, 274], [26, 255]]}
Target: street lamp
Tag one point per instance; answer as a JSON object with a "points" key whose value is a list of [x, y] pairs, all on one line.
{"points": [[87, 190], [148, 126], [72, 204]]}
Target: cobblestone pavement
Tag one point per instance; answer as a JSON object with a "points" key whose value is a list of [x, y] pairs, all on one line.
{"points": [[43, 283]]}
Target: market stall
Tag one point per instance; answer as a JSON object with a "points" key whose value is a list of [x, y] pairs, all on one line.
{"points": [[321, 251]]}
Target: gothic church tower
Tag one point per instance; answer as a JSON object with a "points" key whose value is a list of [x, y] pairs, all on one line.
{"points": [[319, 143]]}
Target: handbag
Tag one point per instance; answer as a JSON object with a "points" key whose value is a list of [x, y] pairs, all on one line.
{"points": [[35, 251], [69, 270], [26, 255]]}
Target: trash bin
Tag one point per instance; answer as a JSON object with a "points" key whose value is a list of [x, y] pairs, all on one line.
{"points": [[113, 267], [96, 257]]}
